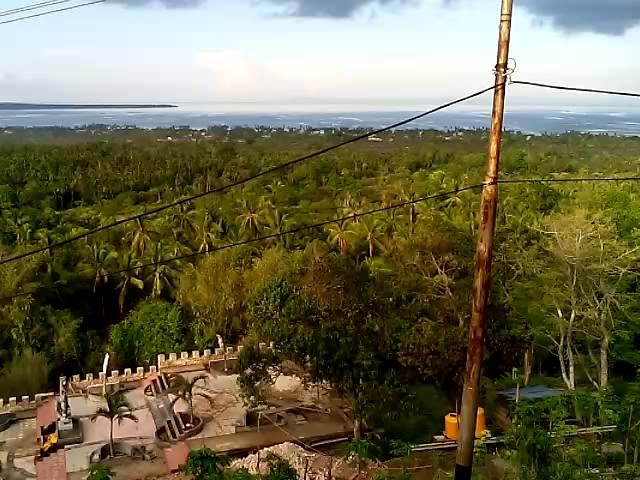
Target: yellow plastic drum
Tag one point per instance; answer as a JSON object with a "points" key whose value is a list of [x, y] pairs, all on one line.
{"points": [[452, 425], [481, 423]]}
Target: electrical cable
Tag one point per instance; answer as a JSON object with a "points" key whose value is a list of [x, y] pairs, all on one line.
{"points": [[274, 235], [33, 6], [49, 12], [350, 217], [576, 89], [266, 172]]}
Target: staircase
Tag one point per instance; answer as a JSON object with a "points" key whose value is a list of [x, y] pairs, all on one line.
{"points": [[157, 393]]}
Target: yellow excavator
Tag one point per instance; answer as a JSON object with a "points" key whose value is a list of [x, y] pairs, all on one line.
{"points": [[50, 446]]}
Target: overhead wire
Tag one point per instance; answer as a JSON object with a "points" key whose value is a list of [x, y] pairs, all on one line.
{"points": [[274, 235], [351, 216], [49, 12], [576, 89], [33, 6], [269, 171]]}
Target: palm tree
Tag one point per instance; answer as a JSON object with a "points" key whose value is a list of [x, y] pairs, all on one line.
{"points": [[101, 259], [351, 206], [250, 219], [277, 224], [372, 234], [339, 234], [129, 277], [183, 389], [140, 238], [117, 409], [182, 221], [409, 195], [208, 233], [22, 229], [162, 277]]}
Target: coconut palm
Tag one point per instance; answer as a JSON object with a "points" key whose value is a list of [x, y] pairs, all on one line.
{"points": [[208, 233], [101, 259], [340, 235], [250, 219], [140, 238], [277, 224], [183, 389], [117, 409], [162, 276], [372, 234], [183, 223], [129, 277], [409, 195]]}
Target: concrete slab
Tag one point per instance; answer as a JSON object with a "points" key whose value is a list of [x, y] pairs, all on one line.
{"points": [[26, 463], [4, 456]]}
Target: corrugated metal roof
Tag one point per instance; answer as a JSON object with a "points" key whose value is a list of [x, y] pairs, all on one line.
{"points": [[531, 393]]}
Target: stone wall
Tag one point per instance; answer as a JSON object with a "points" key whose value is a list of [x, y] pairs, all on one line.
{"points": [[172, 362], [25, 402]]}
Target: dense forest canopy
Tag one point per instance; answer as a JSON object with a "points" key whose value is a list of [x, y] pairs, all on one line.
{"points": [[386, 294]]}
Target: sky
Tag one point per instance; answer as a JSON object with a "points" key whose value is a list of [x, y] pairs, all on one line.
{"points": [[368, 54]]}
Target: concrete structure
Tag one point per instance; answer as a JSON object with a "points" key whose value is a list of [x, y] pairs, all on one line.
{"points": [[227, 426]]}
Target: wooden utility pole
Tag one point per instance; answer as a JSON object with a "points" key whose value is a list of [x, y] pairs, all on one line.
{"points": [[484, 256]]}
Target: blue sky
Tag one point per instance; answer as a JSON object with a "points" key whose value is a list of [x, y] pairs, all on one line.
{"points": [[403, 54]]}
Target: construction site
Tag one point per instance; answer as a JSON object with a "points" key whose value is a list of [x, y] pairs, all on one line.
{"points": [[57, 435]]}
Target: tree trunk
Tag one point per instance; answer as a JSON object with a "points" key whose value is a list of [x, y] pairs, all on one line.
{"points": [[357, 427], [570, 357], [563, 367], [528, 364], [626, 437], [604, 362], [111, 447]]}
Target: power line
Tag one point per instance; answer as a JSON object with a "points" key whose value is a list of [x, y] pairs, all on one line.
{"points": [[266, 172], [351, 217], [576, 89], [49, 12], [274, 235], [570, 180], [33, 6]]}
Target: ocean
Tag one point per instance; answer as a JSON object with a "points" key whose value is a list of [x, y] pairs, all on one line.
{"points": [[534, 121]]}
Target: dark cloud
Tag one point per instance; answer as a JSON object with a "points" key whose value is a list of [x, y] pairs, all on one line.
{"points": [[165, 3], [331, 8], [613, 17]]}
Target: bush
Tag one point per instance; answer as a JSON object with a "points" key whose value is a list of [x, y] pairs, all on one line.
{"points": [[206, 465], [27, 374], [100, 472], [153, 327]]}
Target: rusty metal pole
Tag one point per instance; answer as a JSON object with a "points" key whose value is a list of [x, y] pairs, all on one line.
{"points": [[484, 256]]}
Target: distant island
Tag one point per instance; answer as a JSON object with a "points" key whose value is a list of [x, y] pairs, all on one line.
{"points": [[70, 106]]}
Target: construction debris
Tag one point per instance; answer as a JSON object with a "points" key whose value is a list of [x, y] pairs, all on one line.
{"points": [[315, 465]]}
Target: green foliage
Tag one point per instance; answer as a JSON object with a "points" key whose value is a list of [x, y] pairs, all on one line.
{"points": [[279, 469], [375, 305], [98, 471], [153, 327], [26, 374], [205, 464], [334, 322], [256, 373]]}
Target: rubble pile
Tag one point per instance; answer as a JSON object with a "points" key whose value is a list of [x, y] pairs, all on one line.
{"points": [[316, 465]]}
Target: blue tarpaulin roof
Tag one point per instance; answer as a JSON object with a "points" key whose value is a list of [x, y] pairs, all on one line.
{"points": [[530, 393]]}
